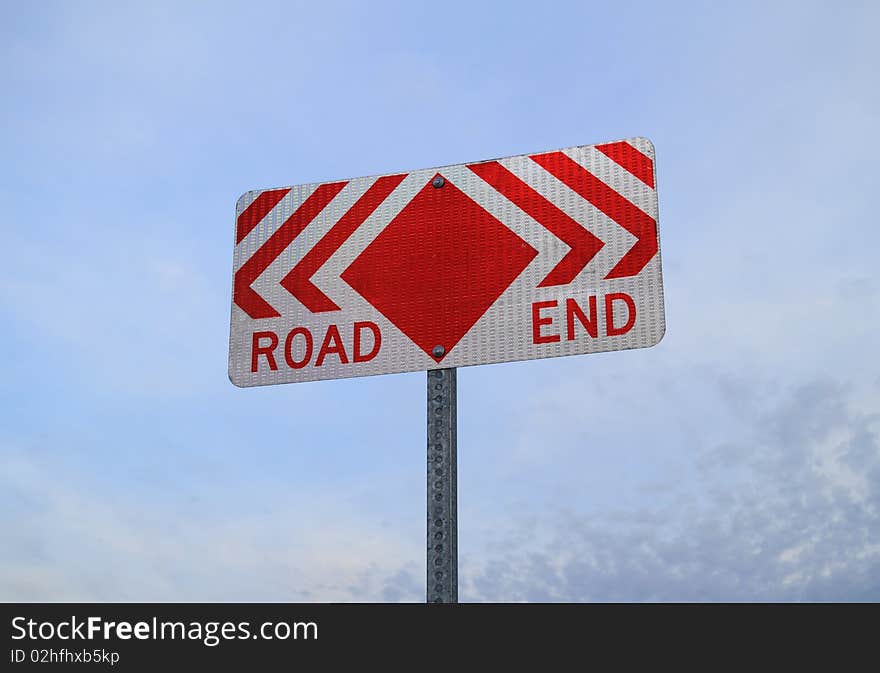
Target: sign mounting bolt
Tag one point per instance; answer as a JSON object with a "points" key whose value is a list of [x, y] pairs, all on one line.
{"points": [[438, 182], [438, 350]]}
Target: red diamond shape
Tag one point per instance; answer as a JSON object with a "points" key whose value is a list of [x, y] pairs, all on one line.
{"points": [[438, 266]]}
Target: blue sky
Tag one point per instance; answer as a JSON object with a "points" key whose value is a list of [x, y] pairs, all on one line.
{"points": [[737, 460]]}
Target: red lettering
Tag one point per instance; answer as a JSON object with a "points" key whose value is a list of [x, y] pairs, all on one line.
{"points": [[572, 310], [610, 329], [288, 348], [377, 341], [326, 348], [257, 350], [538, 321]]}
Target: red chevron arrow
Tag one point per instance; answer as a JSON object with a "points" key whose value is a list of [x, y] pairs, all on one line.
{"points": [[255, 212], [583, 244], [298, 282], [627, 156], [630, 217], [243, 294]]}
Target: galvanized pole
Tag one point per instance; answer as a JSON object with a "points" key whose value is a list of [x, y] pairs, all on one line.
{"points": [[442, 584]]}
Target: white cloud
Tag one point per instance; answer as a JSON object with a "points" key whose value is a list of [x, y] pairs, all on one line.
{"points": [[67, 540], [788, 512]]}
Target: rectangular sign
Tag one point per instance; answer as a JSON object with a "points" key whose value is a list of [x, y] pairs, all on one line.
{"points": [[521, 258]]}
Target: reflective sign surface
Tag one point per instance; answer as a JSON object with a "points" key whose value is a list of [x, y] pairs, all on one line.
{"points": [[527, 257]]}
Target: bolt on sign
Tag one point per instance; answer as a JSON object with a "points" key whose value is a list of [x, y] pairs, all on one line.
{"points": [[520, 258]]}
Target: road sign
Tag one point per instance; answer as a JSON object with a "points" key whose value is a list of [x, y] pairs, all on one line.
{"points": [[526, 257]]}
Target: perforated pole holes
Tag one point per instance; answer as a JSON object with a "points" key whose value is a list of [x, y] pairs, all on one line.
{"points": [[442, 524]]}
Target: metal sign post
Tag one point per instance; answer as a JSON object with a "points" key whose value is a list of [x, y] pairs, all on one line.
{"points": [[442, 534]]}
